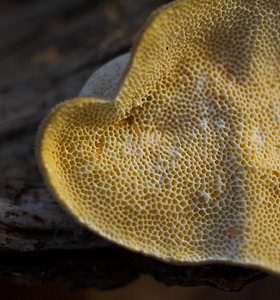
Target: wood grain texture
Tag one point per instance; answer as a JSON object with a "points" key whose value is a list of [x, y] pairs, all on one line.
{"points": [[48, 50]]}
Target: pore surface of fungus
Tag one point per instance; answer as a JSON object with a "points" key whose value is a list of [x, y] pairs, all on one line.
{"points": [[183, 164]]}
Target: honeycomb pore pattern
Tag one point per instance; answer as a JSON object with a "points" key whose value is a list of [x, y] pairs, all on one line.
{"points": [[184, 164]]}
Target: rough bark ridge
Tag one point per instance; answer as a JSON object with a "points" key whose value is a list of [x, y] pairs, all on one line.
{"points": [[48, 50]]}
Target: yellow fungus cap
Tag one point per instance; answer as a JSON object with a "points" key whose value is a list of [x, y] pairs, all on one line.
{"points": [[184, 164]]}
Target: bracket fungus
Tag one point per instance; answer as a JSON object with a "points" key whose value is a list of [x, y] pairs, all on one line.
{"points": [[183, 164]]}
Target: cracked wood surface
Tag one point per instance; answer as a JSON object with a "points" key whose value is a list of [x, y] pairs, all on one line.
{"points": [[48, 50]]}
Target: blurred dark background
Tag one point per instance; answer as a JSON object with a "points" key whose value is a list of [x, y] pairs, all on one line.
{"points": [[47, 51], [144, 288]]}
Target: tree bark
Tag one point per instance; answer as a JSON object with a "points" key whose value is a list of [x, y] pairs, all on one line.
{"points": [[48, 50]]}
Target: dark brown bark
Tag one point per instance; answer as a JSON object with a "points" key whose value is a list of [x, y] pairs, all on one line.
{"points": [[47, 51]]}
